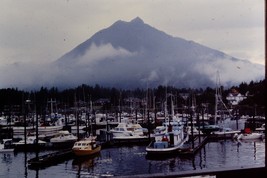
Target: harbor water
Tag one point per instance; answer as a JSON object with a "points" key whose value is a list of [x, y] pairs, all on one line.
{"points": [[132, 160]]}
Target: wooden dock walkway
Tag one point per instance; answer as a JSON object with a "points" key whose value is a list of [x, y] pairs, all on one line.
{"points": [[50, 159], [193, 146]]}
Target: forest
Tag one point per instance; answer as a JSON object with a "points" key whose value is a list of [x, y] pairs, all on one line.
{"points": [[14, 101]]}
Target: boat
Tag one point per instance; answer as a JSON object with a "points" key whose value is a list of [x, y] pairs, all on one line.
{"points": [[209, 128], [63, 136], [43, 131], [6, 145], [128, 131], [192, 129], [63, 139], [220, 111], [224, 132], [86, 147], [168, 142], [261, 130], [248, 135], [4, 122], [30, 144]]}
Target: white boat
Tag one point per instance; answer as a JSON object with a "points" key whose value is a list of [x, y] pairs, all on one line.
{"points": [[44, 131], [29, 140], [86, 147], [248, 135], [193, 130], [63, 136], [30, 144], [225, 132], [4, 122], [6, 145], [261, 130], [167, 142], [81, 129], [128, 131]]}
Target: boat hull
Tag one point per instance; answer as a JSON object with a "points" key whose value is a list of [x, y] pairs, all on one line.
{"points": [[130, 137], [6, 150], [151, 149], [86, 152], [66, 144], [224, 134], [250, 136]]}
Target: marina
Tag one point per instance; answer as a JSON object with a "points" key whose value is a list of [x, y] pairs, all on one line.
{"points": [[175, 147], [172, 140], [143, 89], [132, 160]]}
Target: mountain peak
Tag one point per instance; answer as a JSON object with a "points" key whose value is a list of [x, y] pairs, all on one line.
{"points": [[133, 54], [137, 20]]}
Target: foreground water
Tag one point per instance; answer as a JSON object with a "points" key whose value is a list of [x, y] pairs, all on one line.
{"points": [[132, 160]]}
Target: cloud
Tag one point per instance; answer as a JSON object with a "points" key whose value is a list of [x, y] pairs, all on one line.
{"points": [[26, 75], [105, 51], [232, 72]]}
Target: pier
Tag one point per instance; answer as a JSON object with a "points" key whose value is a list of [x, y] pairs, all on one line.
{"points": [[50, 159], [193, 146]]}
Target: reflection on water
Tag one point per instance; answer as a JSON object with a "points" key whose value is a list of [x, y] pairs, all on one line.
{"points": [[6, 158], [84, 164], [133, 160], [25, 165]]}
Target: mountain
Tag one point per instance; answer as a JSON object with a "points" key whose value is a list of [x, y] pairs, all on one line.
{"points": [[134, 54]]}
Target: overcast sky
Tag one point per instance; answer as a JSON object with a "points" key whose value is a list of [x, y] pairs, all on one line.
{"points": [[44, 30]]}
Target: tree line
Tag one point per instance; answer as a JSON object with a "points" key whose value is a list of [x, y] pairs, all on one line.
{"points": [[13, 100]]}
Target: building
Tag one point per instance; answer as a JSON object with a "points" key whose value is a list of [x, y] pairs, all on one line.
{"points": [[234, 97]]}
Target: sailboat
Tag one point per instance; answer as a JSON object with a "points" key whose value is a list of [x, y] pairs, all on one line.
{"points": [[223, 132]]}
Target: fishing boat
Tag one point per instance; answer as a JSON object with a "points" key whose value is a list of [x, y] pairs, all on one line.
{"points": [[6, 145], [168, 142], [86, 147]]}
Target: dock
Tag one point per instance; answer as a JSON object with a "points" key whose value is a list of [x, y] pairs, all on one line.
{"points": [[193, 146], [50, 159]]}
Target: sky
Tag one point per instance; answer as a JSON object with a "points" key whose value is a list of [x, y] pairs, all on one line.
{"points": [[41, 31]]}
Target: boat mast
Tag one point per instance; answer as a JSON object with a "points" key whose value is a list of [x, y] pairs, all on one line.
{"points": [[218, 99], [216, 96], [165, 106], [172, 107]]}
